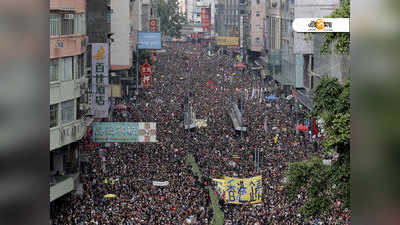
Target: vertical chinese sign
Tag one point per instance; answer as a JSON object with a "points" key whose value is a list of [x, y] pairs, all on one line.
{"points": [[205, 18], [146, 69], [100, 65], [153, 25]]}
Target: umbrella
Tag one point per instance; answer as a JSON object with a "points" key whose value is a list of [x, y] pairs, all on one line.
{"points": [[302, 127], [272, 97], [110, 196], [240, 65], [120, 106]]}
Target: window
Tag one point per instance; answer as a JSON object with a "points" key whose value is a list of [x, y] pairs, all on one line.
{"points": [[53, 115], [258, 1], [67, 110], [67, 25], [80, 23], [67, 73], [55, 24], [54, 70], [257, 14]]}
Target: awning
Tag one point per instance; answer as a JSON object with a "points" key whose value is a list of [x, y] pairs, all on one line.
{"points": [[303, 99]]}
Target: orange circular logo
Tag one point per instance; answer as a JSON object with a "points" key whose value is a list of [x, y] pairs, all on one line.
{"points": [[320, 24]]}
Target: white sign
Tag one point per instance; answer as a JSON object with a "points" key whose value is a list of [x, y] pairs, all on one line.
{"points": [[100, 65], [160, 184], [321, 25]]}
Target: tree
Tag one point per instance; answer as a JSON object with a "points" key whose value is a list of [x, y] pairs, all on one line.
{"points": [[171, 20], [341, 41], [325, 184]]}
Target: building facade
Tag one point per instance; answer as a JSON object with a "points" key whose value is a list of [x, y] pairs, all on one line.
{"points": [[256, 35], [68, 85]]}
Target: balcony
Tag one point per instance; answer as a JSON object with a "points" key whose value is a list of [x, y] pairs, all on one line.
{"points": [[68, 45], [78, 6], [67, 133], [60, 186]]}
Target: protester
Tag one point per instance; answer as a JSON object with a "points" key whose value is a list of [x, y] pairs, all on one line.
{"points": [[130, 168]]}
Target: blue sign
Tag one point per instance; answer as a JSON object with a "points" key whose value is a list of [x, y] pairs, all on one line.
{"points": [[149, 40], [115, 132]]}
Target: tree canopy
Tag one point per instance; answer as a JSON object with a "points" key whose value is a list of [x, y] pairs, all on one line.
{"points": [[341, 41], [171, 19], [325, 184]]}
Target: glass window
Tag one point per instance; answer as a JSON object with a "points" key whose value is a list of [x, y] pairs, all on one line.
{"points": [[67, 110], [67, 24], [55, 24], [54, 70], [53, 115], [67, 73]]}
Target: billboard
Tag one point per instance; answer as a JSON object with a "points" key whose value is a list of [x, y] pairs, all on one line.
{"points": [[227, 41], [206, 18], [149, 40], [124, 132], [100, 65]]}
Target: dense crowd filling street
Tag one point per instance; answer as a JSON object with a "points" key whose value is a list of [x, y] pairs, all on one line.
{"points": [[129, 169]]}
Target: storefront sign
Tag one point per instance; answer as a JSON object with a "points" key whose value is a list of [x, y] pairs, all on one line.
{"points": [[100, 66]]}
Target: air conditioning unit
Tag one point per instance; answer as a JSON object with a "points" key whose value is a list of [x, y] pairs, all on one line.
{"points": [[68, 16]]}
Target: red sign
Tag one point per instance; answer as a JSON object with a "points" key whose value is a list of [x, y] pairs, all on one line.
{"points": [[146, 69], [197, 35], [153, 25], [205, 18]]}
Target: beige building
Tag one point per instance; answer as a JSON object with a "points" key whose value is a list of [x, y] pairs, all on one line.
{"points": [[258, 13], [68, 85]]}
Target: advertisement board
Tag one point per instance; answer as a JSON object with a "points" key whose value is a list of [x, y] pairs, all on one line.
{"points": [[100, 66], [149, 40], [227, 41], [124, 132], [206, 18]]}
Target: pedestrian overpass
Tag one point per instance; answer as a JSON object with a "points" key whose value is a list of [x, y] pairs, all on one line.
{"points": [[237, 118]]}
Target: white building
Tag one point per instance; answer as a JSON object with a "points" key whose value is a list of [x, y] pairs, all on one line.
{"points": [[68, 44], [121, 46]]}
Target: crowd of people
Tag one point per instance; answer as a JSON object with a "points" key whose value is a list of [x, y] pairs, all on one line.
{"points": [[128, 170]]}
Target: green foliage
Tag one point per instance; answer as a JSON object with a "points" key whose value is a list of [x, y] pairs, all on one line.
{"points": [[341, 41], [171, 20], [325, 184]]}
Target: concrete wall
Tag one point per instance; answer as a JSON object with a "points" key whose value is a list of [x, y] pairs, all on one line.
{"points": [[331, 65], [121, 50], [79, 6]]}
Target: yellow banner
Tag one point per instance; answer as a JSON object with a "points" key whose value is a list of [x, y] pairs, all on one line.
{"points": [[116, 90], [227, 41], [243, 190]]}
